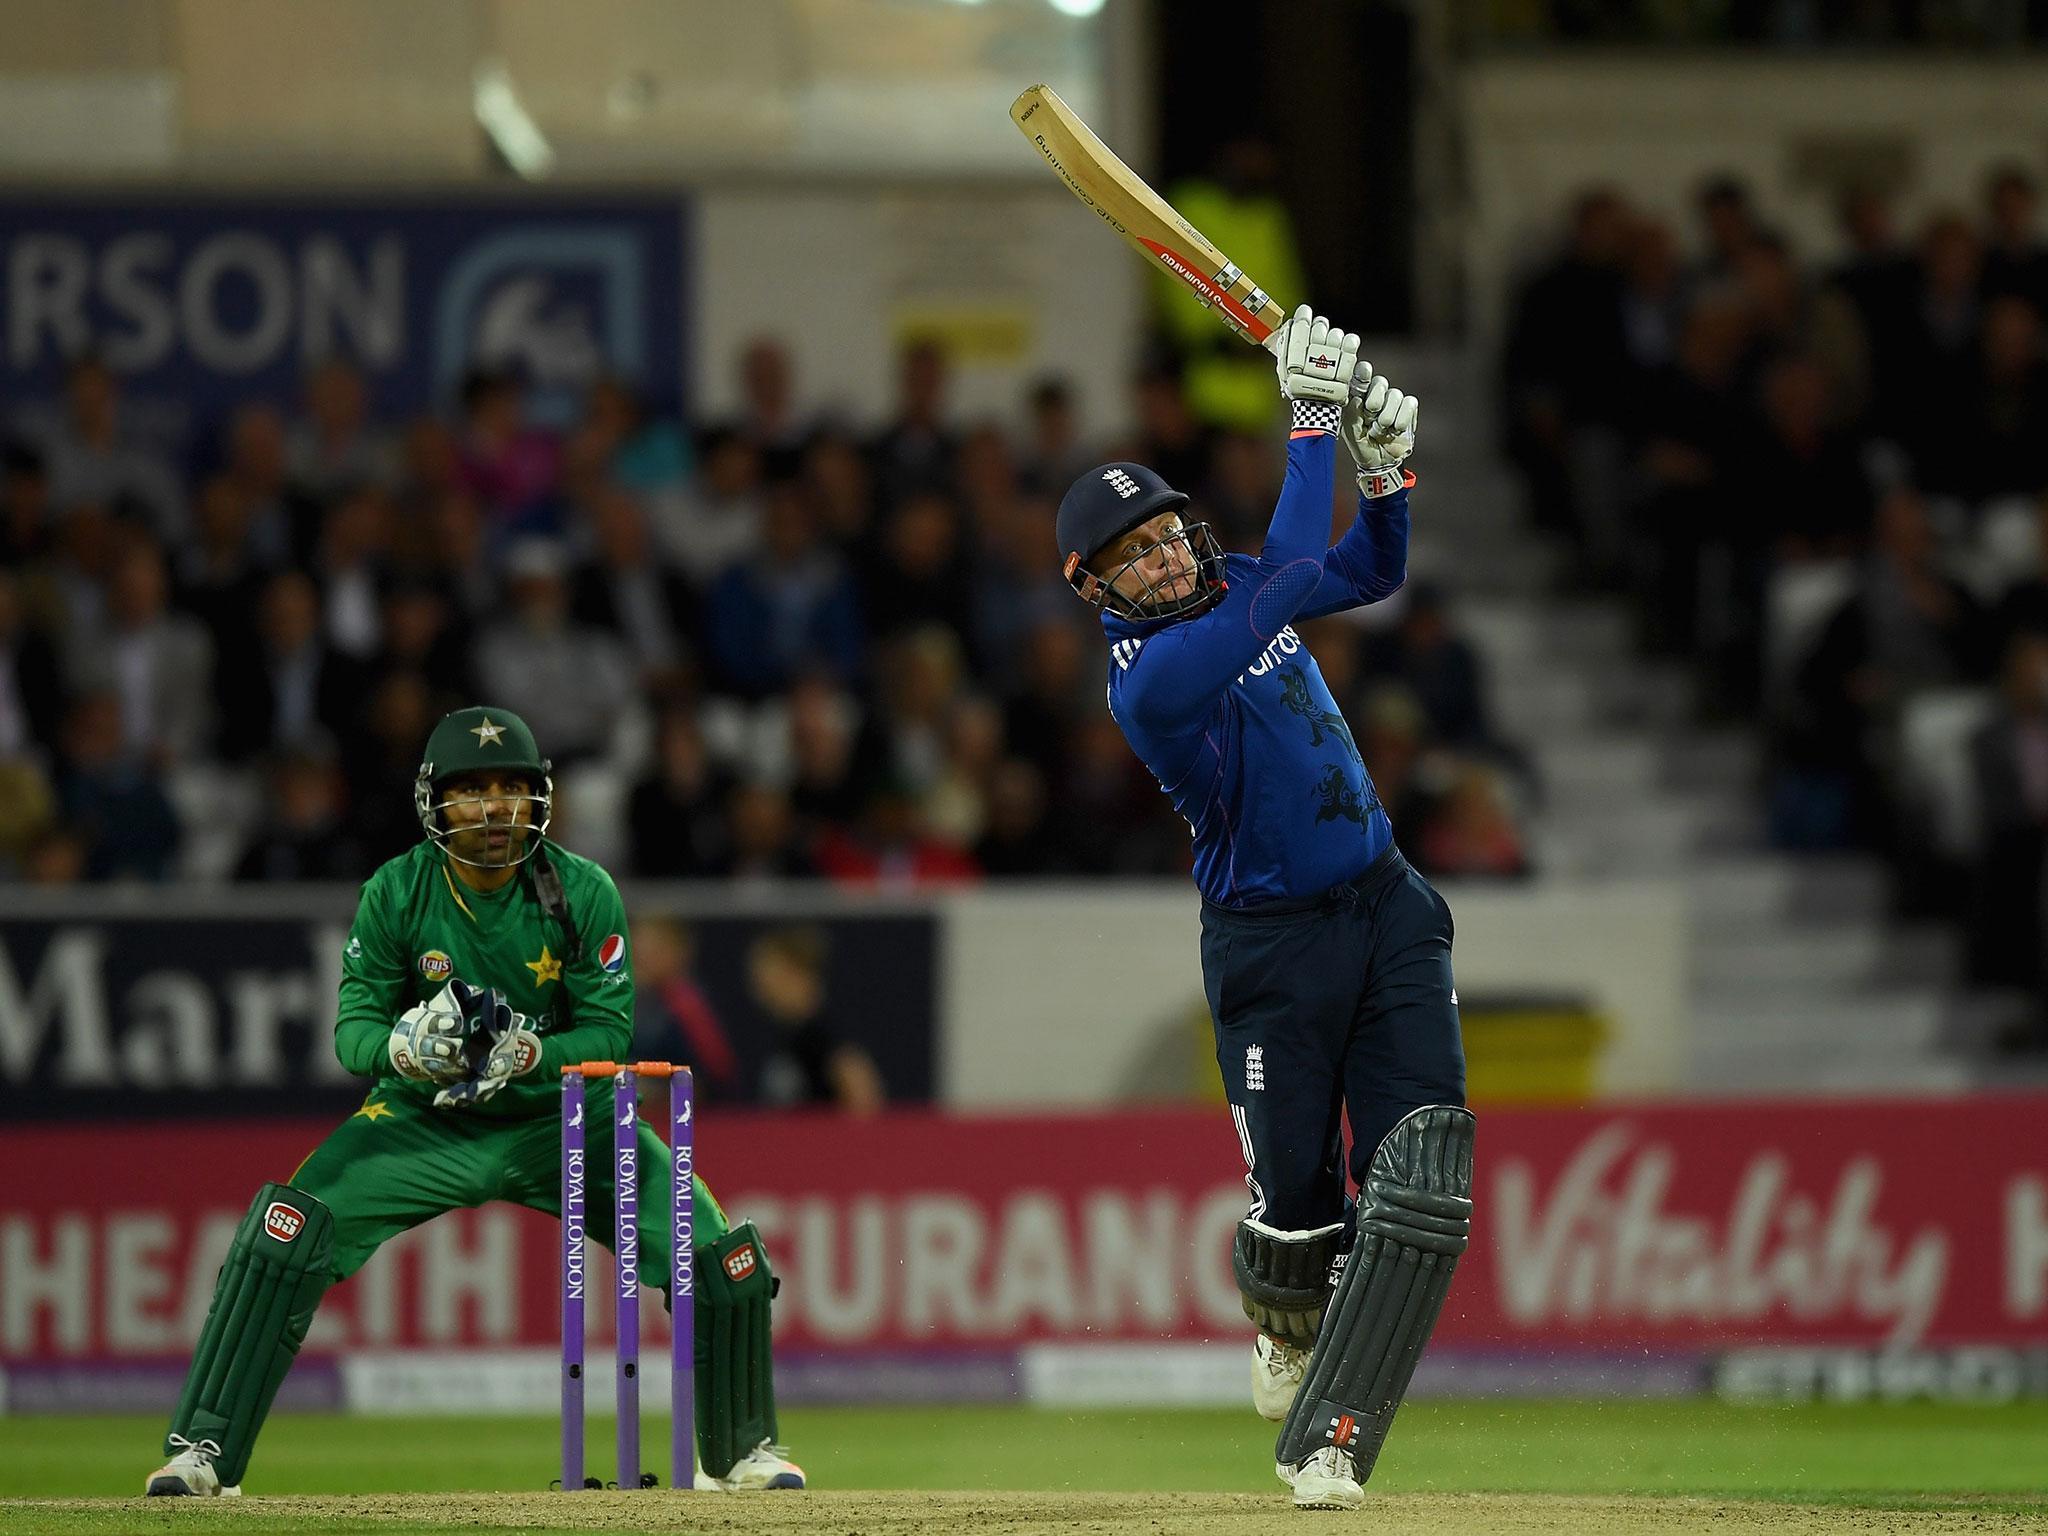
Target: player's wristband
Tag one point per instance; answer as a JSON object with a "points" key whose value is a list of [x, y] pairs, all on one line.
{"points": [[1375, 483], [1316, 415]]}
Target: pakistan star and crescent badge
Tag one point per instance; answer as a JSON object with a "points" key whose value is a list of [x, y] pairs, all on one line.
{"points": [[488, 733]]}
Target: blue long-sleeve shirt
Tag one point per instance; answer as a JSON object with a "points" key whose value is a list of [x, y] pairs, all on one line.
{"points": [[1231, 714]]}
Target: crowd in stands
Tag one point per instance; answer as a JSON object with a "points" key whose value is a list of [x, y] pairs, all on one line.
{"points": [[760, 647], [1823, 479]]}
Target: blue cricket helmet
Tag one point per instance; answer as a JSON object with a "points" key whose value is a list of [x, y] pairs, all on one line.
{"points": [[1108, 502]]}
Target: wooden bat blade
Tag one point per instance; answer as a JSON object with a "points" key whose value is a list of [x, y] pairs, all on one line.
{"points": [[1119, 197]]}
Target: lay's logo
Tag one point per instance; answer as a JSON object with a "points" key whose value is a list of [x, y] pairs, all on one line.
{"points": [[284, 1222], [740, 1265]]}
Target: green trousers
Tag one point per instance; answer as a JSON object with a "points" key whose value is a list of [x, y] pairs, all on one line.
{"points": [[398, 1162]]}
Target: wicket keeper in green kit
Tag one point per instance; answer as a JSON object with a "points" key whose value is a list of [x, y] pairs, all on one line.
{"points": [[480, 963]]}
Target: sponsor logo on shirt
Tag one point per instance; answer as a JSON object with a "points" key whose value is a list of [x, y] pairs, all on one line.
{"points": [[611, 954], [436, 966]]}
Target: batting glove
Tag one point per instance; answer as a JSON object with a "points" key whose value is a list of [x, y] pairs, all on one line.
{"points": [[1315, 367], [1378, 429]]}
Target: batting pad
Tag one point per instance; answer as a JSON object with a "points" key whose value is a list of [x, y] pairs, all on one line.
{"points": [[1417, 1221], [278, 1267], [735, 1372]]}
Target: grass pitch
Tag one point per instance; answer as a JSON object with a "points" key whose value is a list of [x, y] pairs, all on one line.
{"points": [[1449, 1466]]}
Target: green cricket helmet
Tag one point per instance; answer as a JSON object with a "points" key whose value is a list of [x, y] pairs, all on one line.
{"points": [[482, 739]]}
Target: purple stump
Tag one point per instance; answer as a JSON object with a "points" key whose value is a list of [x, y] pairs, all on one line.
{"points": [[626, 1247], [682, 1281], [572, 1279]]}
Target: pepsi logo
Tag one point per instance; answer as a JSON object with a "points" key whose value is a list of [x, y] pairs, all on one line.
{"points": [[611, 954]]}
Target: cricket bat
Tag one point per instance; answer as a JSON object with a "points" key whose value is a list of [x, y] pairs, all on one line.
{"points": [[1119, 197]]}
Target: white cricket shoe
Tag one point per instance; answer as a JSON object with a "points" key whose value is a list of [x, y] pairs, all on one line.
{"points": [[189, 1472], [1277, 1372], [1324, 1481], [765, 1467]]}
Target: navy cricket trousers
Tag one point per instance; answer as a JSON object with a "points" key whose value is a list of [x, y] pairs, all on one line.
{"points": [[1341, 1003]]}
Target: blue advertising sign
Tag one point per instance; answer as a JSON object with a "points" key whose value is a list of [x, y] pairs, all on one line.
{"points": [[210, 301]]}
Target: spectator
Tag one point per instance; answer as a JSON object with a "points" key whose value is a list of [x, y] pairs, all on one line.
{"points": [[957, 806], [510, 467], [1920, 404], [26, 516], [2015, 258], [420, 638], [93, 455], [767, 844], [354, 563], [919, 578], [1059, 686], [1877, 276], [892, 845], [1728, 228], [826, 782], [55, 857], [716, 522], [304, 835], [1019, 836], [1908, 627], [2002, 447], [1437, 666], [673, 1020], [1473, 833], [1016, 585], [282, 526], [157, 665], [1790, 316], [218, 576], [1054, 455], [291, 689], [335, 447], [678, 812], [383, 760], [840, 488], [768, 412], [810, 1063], [618, 444], [28, 809], [113, 797], [917, 451], [2009, 762], [1563, 364], [31, 685], [626, 589], [1170, 439], [787, 611], [570, 682]]}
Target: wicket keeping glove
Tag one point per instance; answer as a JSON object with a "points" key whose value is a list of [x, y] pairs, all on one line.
{"points": [[503, 1046], [1379, 430], [427, 1040], [1315, 367]]}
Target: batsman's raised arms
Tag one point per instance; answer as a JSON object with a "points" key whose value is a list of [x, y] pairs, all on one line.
{"points": [[1119, 197]]}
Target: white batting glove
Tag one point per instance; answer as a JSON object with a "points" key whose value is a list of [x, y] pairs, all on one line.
{"points": [[426, 1041], [1378, 428], [1315, 366]]}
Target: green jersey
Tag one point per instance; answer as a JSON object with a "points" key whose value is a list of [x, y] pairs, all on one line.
{"points": [[417, 926]]}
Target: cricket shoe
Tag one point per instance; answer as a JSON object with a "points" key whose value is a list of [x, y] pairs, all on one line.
{"points": [[1277, 1370], [1324, 1481], [763, 1468], [189, 1472]]}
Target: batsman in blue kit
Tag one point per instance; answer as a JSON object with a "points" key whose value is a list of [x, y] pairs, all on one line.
{"points": [[1326, 958]]}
